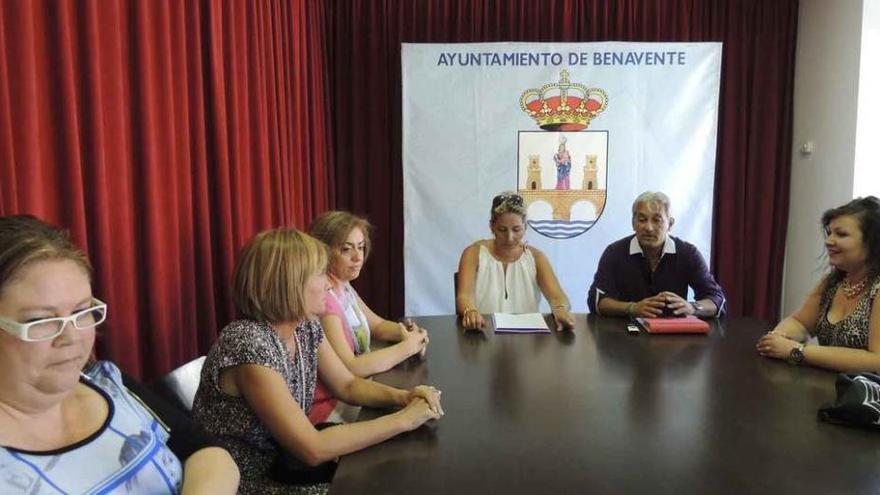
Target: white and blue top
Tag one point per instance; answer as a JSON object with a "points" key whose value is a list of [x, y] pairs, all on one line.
{"points": [[127, 455]]}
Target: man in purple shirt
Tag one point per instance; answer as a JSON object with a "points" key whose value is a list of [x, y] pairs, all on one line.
{"points": [[648, 274]]}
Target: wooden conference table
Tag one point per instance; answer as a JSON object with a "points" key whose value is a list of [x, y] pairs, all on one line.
{"points": [[601, 411]]}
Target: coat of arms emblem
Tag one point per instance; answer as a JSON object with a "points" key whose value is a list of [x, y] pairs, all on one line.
{"points": [[562, 168]]}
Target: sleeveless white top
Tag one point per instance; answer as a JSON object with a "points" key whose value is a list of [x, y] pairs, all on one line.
{"points": [[516, 291]]}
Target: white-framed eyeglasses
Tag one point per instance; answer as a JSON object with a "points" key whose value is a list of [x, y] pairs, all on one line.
{"points": [[49, 328]]}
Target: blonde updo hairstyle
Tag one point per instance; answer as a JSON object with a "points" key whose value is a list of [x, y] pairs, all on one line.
{"points": [[507, 202]]}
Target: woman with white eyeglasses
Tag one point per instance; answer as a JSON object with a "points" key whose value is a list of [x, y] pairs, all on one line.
{"points": [[66, 429]]}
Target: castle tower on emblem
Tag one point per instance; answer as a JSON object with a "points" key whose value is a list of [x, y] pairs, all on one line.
{"points": [[534, 179], [591, 180]]}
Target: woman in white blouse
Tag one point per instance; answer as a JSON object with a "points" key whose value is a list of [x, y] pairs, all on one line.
{"points": [[505, 275]]}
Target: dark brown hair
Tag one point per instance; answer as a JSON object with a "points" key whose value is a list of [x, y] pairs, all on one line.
{"points": [[867, 211]]}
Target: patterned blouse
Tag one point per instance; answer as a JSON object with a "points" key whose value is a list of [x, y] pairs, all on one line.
{"points": [[127, 455], [231, 419], [851, 331]]}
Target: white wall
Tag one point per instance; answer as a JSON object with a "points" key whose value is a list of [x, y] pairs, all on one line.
{"points": [[867, 167], [826, 89]]}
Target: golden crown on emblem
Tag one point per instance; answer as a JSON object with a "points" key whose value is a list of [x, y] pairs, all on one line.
{"points": [[564, 105]]}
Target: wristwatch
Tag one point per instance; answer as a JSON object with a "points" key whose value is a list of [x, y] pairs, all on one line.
{"points": [[797, 355], [697, 307]]}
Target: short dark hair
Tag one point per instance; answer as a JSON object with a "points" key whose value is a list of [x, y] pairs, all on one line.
{"points": [[867, 211], [26, 239]]}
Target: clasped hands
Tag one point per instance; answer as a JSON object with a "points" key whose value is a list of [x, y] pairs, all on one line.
{"points": [[653, 307], [422, 404]]}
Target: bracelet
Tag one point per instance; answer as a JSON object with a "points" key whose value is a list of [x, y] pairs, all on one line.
{"points": [[629, 308], [562, 306]]}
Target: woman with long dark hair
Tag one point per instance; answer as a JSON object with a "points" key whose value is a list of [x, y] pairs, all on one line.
{"points": [[843, 311]]}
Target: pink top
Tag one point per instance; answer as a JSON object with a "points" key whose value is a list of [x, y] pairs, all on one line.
{"points": [[324, 403]]}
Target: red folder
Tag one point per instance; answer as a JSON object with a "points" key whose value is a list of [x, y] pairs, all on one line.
{"points": [[688, 324]]}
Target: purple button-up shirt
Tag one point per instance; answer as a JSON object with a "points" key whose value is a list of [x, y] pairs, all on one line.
{"points": [[624, 273]]}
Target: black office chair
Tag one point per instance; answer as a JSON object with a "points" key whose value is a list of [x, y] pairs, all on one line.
{"points": [[180, 385]]}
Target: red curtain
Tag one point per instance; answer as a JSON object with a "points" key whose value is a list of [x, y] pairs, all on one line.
{"points": [[754, 135], [163, 135]]}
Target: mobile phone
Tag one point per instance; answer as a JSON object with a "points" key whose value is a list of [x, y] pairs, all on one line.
{"points": [[632, 329]]}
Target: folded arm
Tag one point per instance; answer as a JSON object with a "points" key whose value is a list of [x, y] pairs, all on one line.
{"points": [[266, 393], [369, 363]]}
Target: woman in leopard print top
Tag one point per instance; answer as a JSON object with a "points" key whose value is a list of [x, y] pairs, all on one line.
{"points": [[843, 311]]}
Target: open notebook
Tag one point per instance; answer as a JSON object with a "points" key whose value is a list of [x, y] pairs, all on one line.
{"points": [[687, 324], [520, 323]]}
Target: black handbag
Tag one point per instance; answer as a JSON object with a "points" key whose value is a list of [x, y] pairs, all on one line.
{"points": [[288, 469], [858, 401]]}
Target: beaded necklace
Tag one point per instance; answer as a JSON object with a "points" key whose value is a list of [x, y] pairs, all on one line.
{"points": [[300, 368], [851, 290]]}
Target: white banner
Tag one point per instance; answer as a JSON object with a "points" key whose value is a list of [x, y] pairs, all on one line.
{"points": [[579, 129]]}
